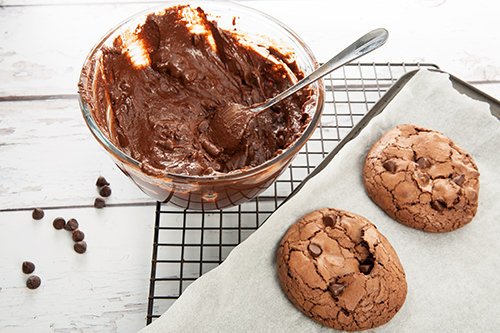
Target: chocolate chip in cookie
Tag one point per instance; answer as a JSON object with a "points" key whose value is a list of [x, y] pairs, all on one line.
{"points": [[328, 221], [336, 288], [314, 250], [459, 180], [366, 267], [423, 162], [437, 205], [390, 166]]}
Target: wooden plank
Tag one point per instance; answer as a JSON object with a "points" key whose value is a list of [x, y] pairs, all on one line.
{"points": [[102, 290], [26, 3], [491, 88], [49, 158], [42, 48]]}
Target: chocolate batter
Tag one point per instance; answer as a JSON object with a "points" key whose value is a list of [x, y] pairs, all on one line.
{"points": [[165, 83]]}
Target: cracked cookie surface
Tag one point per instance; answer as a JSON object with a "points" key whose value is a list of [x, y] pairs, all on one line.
{"points": [[422, 179], [339, 270]]}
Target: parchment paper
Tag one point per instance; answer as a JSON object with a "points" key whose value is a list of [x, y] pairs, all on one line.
{"points": [[453, 278]]}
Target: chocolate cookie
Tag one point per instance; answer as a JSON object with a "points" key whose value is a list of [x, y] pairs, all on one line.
{"points": [[338, 269], [422, 179]]}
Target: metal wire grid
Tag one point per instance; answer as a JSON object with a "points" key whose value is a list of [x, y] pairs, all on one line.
{"points": [[190, 243]]}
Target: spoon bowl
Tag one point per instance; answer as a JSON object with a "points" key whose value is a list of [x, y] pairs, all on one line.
{"points": [[230, 122]]}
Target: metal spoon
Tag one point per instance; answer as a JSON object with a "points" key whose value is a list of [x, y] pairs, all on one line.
{"points": [[233, 120]]}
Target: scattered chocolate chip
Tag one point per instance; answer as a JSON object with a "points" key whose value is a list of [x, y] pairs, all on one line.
{"points": [[336, 289], [423, 162], [28, 267], [438, 205], [101, 181], [328, 221], [105, 191], [99, 203], [390, 166], [37, 213], [366, 267], [33, 282], [314, 250], [459, 180], [78, 235], [71, 225], [80, 246], [59, 223]]}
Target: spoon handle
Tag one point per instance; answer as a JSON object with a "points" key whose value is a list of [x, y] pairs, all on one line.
{"points": [[363, 45]]}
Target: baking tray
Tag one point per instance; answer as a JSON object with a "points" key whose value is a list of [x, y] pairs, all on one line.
{"points": [[444, 271], [460, 85], [189, 243]]}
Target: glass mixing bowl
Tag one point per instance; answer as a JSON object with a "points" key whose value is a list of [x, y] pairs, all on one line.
{"points": [[224, 190]]}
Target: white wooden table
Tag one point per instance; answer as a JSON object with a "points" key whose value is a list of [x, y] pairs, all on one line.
{"points": [[49, 159]]}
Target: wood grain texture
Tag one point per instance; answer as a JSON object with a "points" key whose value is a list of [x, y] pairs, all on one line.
{"points": [[42, 47], [49, 158], [104, 289]]}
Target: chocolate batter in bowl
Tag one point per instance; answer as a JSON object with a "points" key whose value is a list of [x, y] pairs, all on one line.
{"points": [[150, 87]]}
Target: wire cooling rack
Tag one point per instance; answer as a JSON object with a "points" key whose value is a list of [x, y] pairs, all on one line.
{"points": [[190, 243]]}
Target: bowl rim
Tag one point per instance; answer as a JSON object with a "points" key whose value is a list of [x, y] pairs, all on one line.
{"points": [[233, 175]]}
